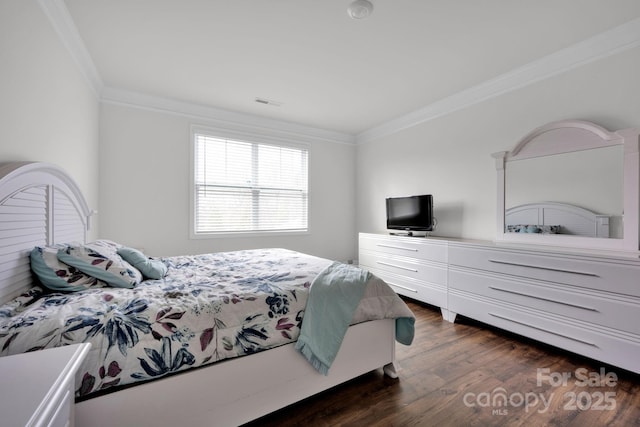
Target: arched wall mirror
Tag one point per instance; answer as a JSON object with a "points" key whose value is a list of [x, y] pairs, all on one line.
{"points": [[571, 183]]}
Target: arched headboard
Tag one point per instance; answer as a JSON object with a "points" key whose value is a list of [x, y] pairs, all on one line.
{"points": [[39, 205]]}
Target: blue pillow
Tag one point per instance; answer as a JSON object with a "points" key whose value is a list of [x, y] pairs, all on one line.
{"points": [[58, 276], [150, 268]]}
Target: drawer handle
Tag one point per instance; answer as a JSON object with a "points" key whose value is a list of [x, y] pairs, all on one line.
{"points": [[543, 299], [397, 247], [403, 287], [543, 268], [543, 330], [397, 266]]}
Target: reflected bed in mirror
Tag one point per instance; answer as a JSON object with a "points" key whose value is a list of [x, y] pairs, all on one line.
{"points": [[570, 183], [556, 218], [589, 179]]}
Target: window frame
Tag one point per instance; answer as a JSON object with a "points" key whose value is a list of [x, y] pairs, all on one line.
{"points": [[250, 137]]}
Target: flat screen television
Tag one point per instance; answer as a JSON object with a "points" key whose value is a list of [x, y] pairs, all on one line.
{"points": [[412, 213]]}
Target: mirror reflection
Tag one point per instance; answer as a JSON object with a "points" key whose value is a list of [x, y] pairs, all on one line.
{"points": [[589, 179]]}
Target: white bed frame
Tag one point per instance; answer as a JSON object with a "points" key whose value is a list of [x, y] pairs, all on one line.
{"points": [[573, 220], [40, 204]]}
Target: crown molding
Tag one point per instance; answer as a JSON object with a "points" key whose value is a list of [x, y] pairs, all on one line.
{"points": [[616, 40], [62, 22], [222, 118]]}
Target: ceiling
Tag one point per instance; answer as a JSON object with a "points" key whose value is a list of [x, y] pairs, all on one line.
{"points": [[326, 70]]}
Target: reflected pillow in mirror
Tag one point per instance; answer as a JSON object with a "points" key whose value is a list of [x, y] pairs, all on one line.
{"points": [[549, 229], [530, 228]]}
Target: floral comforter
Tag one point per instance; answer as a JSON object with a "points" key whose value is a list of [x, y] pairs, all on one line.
{"points": [[207, 308]]}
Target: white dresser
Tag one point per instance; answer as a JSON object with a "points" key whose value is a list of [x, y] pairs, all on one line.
{"points": [[38, 387], [584, 302], [415, 267]]}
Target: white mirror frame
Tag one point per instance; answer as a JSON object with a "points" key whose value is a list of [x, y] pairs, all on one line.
{"points": [[570, 136]]}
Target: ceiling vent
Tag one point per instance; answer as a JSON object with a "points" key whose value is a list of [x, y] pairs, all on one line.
{"points": [[266, 101]]}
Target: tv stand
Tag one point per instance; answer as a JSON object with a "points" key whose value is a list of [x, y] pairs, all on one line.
{"points": [[408, 234]]}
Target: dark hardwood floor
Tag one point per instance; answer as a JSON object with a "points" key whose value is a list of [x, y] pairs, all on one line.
{"points": [[456, 375]]}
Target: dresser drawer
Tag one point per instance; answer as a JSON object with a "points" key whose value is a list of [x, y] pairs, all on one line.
{"points": [[46, 397], [618, 349], [409, 267], [611, 276], [431, 293], [413, 247], [562, 300]]}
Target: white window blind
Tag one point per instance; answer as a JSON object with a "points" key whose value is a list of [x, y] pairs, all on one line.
{"points": [[245, 187]]}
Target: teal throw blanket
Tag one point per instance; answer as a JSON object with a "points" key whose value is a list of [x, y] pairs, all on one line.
{"points": [[334, 296]]}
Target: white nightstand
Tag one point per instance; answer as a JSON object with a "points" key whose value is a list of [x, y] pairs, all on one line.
{"points": [[38, 387]]}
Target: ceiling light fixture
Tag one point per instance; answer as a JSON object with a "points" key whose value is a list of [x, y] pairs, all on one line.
{"points": [[360, 9]]}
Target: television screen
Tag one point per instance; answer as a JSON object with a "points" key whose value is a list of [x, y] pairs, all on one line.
{"points": [[412, 213]]}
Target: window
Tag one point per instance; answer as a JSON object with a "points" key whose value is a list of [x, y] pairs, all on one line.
{"points": [[245, 187]]}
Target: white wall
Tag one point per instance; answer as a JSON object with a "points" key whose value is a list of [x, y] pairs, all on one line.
{"points": [[48, 111], [144, 189], [449, 157]]}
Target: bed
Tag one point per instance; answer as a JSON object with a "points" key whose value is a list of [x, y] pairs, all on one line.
{"points": [[166, 350]]}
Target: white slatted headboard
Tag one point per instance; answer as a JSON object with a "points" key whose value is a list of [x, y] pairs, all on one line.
{"points": [[39, 205]]}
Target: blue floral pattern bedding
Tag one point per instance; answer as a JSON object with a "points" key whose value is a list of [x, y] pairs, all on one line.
{"points": [[207, 308]]}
